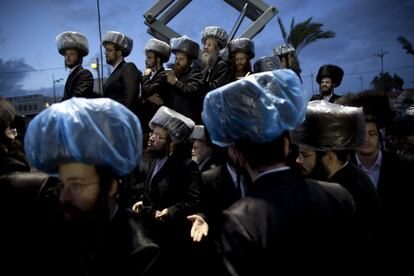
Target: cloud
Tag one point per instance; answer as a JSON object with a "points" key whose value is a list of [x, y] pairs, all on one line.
{"points": [[12, 74]]}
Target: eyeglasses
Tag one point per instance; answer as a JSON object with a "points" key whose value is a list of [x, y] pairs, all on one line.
{"points": [[156, 136], [108, 50], [75, 188]]}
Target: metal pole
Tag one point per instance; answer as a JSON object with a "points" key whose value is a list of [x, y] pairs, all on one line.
{"points": [[100, 82], [54, 89], [238, 22], [381, 56], [99, 76], [313, 90]]}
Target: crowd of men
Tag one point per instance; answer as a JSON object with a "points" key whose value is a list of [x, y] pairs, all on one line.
{"points": [[211, 167]]}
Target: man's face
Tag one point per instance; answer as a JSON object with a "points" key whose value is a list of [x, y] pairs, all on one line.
{"points": [[326, 86], [181, 63], [111, 53], [200, 152], [150, 60], [157, 141], [241, 60], [72, 58], [211, 46], [371, 142], [79, 191], [306, 160], [210, 52]]}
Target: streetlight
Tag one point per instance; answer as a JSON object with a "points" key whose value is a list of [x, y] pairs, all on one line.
{"points": [[95, 65], [54, 88]]}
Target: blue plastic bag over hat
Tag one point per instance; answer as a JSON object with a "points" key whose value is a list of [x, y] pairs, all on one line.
{"points": [[258, 108], [89, 131]]}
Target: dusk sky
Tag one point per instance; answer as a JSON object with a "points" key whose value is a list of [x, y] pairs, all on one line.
{"points": [[29, 58]]}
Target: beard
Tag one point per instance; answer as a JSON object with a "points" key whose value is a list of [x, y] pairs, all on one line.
{"points": [[157, 153], [80, 222], [326, 91], [242, 70], [179, 70], [209, 59]]}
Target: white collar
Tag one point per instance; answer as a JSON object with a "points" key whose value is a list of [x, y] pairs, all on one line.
{"points": [[73, 69]]}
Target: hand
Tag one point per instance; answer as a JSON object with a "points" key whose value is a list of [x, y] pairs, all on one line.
{"points": [[199, 228], [171, 78], [137, 207], [155, 99], [148, 72], [161, 215]]}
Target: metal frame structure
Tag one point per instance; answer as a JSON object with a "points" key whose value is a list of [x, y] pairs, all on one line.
{"points": [[163, 11]]}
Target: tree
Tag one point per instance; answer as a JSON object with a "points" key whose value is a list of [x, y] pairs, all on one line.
{"points": [[303, 33], [406, 45], [386, 82]]}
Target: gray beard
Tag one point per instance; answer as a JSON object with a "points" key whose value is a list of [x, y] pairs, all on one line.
{"points": [[209, 59]]}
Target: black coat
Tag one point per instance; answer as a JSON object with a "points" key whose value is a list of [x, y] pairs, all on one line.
{"points": [[186, 95], [331, 100], [157, 85], [79, 84], [218, 193], [175, 186], [286, 225], [123, 85], [368, 204], [219, 75]]}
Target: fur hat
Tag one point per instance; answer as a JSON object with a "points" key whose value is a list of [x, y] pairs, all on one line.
{"points": [[330, 126], [217, 33], [375, 104], [57, 136], [160, 47], [186, 45], [258, 108], [198, 133], [244, 45], [72, 40], [284, 49], [265, 64], [330, 71], [119, 39], [178, 126]]}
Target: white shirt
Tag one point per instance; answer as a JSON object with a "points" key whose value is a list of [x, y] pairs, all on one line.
{"points": [[374, 171], [116, 65], [327, 98]]}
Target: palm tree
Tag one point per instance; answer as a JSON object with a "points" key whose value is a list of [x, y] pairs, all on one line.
{"points": [[406, 45], [303, 33]]}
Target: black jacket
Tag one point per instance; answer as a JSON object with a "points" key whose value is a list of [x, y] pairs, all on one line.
{"points": [[123, 85], [157, 85], [79, 84], [218, 193], [219, 75], [286, 225], [186, 95]]}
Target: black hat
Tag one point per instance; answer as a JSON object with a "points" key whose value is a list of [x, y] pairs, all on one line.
{"points": [[186, 45], [375, 104], [330, 71]]}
